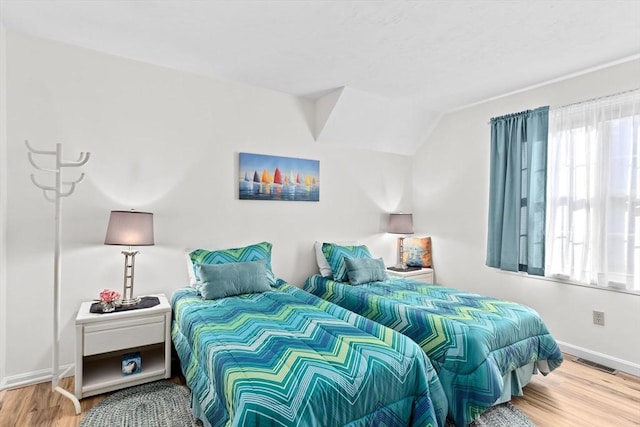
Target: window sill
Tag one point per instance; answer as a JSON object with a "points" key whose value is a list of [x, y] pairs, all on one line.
{"points": [[565, 282]]}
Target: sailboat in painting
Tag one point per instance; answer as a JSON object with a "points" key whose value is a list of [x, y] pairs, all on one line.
{"points": [[266, 178], [277, 177]]}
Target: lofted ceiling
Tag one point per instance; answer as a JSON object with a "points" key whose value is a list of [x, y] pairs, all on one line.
{"points": [[381, 72]]}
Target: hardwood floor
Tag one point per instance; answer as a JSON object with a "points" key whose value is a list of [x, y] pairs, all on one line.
{"points": [[578, 395], [38, 406], [572, 395]]}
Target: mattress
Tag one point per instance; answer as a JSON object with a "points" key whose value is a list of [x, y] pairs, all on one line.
{"points": [[288, 358]]}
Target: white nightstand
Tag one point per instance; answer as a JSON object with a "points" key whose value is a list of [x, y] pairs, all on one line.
{"points": [[102, 340], [423, 275]]}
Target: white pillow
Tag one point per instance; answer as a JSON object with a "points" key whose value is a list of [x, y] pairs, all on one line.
{"points": [[323, 265], [192, 275]]}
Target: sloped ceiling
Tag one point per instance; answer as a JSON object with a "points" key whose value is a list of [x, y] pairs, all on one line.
{"points": [[382, 72], [366, 120]]}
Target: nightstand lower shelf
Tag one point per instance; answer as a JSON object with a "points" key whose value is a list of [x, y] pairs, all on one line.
{"points": [[103, 372]]}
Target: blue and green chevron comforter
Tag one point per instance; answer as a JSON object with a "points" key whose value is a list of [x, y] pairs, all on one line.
{"points": [[288, 358], [473, 341]]}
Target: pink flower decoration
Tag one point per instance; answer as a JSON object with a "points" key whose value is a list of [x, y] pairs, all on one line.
{"points": [[109, 296]]}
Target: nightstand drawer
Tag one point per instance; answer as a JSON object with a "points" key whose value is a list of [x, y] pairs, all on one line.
{"points": [[127, 333]]}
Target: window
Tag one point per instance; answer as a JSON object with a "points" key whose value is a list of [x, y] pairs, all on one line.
{"points": [[593, 193]]}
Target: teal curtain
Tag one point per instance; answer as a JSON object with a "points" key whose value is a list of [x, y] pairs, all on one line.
{"points": [[517, 192]]}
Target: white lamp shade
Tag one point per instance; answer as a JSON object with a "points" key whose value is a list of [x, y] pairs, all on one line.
{"points": [[400, 223], [130, 228]]}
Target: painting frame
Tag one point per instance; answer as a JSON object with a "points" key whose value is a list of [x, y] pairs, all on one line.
{"points": [[278, 178]]}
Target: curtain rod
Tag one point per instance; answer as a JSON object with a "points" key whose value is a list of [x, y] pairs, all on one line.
{"points": [[575, 103], [600, 97], [535, 110]]}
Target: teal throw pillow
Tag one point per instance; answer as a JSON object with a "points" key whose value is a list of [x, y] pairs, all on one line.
{"points": [[226, 280], [365, 270], [335, 255], [259, 251]]}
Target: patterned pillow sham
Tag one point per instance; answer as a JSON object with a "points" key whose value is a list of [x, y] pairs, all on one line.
{"points": [[323, 266], [254, 252], [335, 255]]}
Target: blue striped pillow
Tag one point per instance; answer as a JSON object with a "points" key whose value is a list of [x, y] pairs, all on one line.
{"points": [[259, 251], [335, 255]]}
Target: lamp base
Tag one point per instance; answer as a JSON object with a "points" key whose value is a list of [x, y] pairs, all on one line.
{"points": [[130, 301], [127, 293]]}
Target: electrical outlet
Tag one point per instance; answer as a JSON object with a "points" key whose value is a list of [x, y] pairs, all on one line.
{"points": [[598, 317]]}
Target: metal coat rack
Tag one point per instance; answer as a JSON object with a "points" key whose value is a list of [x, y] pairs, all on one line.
{"points": [[55, 194]]}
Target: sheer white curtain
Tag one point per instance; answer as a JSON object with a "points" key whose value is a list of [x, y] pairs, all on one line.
{"points": [[593, 192]]}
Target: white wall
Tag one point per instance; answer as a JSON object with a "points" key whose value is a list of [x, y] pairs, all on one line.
{"points": [[3, 201], [167, 142], [451, 176]]}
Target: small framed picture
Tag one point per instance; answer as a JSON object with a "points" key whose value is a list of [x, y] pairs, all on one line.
{"points": [[131, 363]]}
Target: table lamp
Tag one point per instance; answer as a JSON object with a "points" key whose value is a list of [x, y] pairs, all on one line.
{"points": [[400, 224], [129, 228]]}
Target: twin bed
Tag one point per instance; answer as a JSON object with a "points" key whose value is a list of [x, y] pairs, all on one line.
{"points": [[285, 357], [274, 354], [484, 349]]}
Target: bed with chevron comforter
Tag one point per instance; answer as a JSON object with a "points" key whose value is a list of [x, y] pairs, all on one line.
{"points": [[287, 358], [479, 345]]}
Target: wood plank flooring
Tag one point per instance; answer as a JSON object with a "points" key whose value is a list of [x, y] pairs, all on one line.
{"points": [[578, 395], [572, 395]]}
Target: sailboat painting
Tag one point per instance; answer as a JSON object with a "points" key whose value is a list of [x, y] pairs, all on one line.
{"points": [[263, 177]]}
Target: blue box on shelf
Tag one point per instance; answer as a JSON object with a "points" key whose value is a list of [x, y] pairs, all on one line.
{"points": [[131, 363]]}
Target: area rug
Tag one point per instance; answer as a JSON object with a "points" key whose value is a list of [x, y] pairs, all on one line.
{"points": [[156, 404], [503, 415], [166, 404]]}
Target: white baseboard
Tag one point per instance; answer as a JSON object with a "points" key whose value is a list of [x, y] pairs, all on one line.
{"points": [[31, 378], [603, 359]]}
